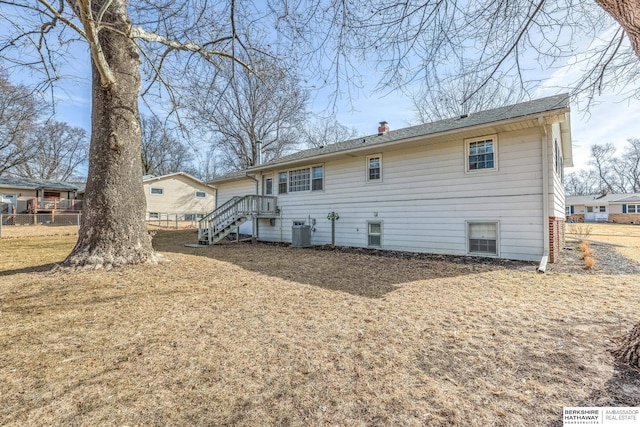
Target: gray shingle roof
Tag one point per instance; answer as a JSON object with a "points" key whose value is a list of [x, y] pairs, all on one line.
{"points": [[598, 198], [29, 183], [486, 117]]}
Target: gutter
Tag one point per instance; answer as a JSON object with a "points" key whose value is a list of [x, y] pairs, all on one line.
{"points": [[371, 146], [543, 263], [540, 116], [545, 194]]}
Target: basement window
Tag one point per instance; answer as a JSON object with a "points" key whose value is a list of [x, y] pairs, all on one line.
{"points": [[374, 234], [154, 215], [482, 238], [156, 191], [201, 194]]}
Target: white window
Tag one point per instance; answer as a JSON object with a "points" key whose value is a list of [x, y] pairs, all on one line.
{"points": [[374, 234], [282, 182], [154, 215], [157, 191], [483, 238], [589, 209], [299, 180], [603, 208], [374, 167], [633, 208], [317, 178], [482, 154], [559, 162], [268, 186], [201, 194], [305, 179]]}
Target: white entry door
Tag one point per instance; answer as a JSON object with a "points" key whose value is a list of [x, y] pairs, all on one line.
{"points": [[12, 202]]}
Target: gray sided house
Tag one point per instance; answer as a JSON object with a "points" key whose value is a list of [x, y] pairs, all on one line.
{"points": [[487, 184], [26, 195], [605, 207]]}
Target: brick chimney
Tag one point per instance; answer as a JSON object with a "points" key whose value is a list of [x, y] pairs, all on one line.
{"points": [[383, 128]]}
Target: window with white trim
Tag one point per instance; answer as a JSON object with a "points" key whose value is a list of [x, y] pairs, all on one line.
{"points": [[374, 234], [481, 154], [156, 191], [374, 168], [304, 179], [299, 180], [268, 186], [317, 178], [201, 194], [559, 161], [483, 238], [633, 208], [283, 182], [154, 215]]}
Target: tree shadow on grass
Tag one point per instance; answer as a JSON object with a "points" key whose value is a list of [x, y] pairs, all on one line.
{"points": [[621, 390], [31, 269], [360, 272]]}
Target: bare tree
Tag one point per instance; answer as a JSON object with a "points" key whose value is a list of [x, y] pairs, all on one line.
{"points": [[631, 164], [19, 112], [604, 161], [463, 92], [321, 131], [584, 182], [61, 150], [162, 152], [264, 104], [332, 39]]}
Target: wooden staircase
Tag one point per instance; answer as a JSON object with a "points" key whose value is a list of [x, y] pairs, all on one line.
{"points": [[217, 224]]}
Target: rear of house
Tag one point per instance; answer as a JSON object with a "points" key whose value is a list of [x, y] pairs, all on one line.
{"points": [[487, 184]]}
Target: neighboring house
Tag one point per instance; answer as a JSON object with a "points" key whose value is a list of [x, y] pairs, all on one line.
{"points": [[177, 193], [605, 207], [486, 184], [26, 195]]}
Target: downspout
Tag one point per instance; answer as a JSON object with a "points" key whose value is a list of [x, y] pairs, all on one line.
{"points": [[254, 219], [545, 195]]}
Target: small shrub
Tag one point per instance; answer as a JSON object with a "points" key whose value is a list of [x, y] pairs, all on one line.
{"points": [[582, 230], [584, 246], [589, 262]]}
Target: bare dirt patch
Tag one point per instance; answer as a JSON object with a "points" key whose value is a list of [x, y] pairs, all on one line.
{"points": [[242, 334]]}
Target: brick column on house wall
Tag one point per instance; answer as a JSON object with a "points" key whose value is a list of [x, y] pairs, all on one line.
{"points": [[556, 237]]}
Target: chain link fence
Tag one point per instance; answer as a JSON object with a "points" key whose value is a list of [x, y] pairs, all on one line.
{"points": [[11, 222], [172, 220], [13, 225]]}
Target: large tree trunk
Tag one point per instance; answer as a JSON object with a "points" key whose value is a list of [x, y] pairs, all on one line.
{"points": [[629, 350], [627, 13], [113, 230]]}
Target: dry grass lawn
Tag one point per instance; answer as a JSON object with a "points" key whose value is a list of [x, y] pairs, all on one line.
{"points": [[242, 334], [621, 234]]}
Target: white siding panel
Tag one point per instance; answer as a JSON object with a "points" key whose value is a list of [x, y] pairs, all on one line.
{"points": [[228, 190], [424, 199]]}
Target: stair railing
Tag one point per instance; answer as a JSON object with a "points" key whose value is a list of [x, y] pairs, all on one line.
{"points": [[233, 209]]}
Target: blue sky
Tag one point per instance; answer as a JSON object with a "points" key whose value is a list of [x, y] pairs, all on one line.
{"points": [[612, 118]]}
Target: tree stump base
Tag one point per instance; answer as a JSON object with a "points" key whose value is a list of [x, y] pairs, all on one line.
{"points": [[629, 350]]}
